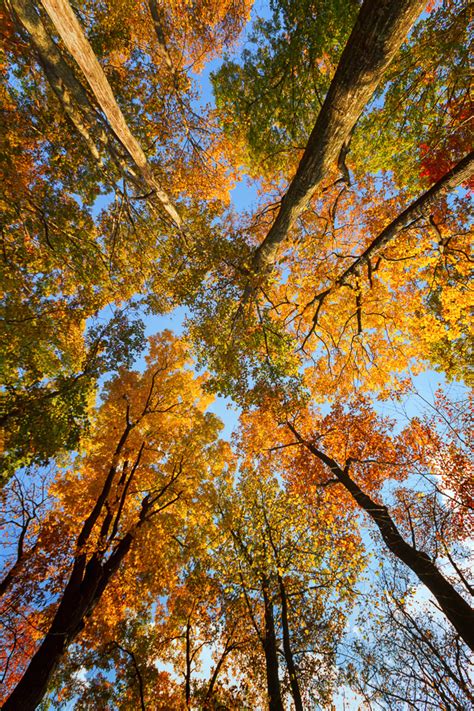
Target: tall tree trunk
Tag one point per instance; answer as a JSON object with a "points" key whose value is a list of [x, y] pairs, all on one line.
{"points": [[378, 33], [155, 12], [71, 32], [271, 656], [87, 581], [81, 595], [290, 662], [456, 609], [187, 678], [68, 90]]}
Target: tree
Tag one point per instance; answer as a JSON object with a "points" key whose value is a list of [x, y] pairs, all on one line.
{"points": [[21, 509], [292, 567], [148, 446], [416, 661], [47, 412], [63, 263], [355, 467], [311, 310]]}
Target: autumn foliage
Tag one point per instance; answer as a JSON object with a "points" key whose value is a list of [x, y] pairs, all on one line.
{"points": [[318, 555]]}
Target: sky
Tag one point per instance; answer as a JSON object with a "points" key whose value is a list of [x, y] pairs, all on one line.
{"points": [[244, 197]]}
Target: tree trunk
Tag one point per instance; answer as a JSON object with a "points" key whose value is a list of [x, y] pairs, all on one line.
{"points": [[210, 689], [456, 609], [460, 173], [68, 90], [187, 682], [271, 656], [290, 662], [78, 602], [71, 32], [378, 33], [85, 586]]}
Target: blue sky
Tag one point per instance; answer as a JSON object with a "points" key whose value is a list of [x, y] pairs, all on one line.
{"points": [[244, 197]]}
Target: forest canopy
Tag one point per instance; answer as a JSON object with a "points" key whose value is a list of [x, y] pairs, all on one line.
{"points": [[289, 186]]}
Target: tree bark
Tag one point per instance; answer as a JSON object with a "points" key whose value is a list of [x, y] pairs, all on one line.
{"points": [[271, 656], [155, 13], [290, 662], [460, 173], [187, 678], [378, 33], [456, 609], [71, 33], [137, 671], [68, 90], [81, 595]]}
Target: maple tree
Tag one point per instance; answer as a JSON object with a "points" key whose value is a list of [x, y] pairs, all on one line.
{"points": [[149, 442], [147, 561]]}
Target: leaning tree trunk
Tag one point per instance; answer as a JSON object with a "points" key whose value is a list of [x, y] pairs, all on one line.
{"points": [[71, 32], [68, 90], [80, 597], [456, 609], [378, 33], [90, 575], [419, 208]]}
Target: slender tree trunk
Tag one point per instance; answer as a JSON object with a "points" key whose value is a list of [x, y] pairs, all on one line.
{"points": [[137, 671], [378, 33], [72, 34], [212, 683], [11, 574], [271, 656], [155, 12], [290, 662], [210, 689], [461, 172], [187, 682], [456, 609]]}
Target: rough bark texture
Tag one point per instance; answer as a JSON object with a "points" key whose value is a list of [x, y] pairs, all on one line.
{"points": [[68, 90], [456, 609], [271, 656], [70, 31], [378, 33]]}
